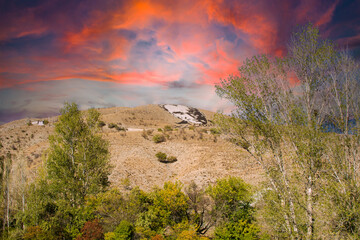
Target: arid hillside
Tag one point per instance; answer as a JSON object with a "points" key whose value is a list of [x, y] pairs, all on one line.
{"points": [[202, 155]]}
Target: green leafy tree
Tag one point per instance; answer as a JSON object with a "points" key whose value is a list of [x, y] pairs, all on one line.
{"points": [[232, 199], [113, 207], [198, 211], [232, 209], [77, 163], [239, 230], [281, 126], [77, 166], [5, 174], [124, 231], [167, 207]]}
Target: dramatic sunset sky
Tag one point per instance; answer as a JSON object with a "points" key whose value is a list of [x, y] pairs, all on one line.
{"points": [[103, 53]]}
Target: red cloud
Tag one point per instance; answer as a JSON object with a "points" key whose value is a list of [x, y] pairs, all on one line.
{"points": [[95, 48]]}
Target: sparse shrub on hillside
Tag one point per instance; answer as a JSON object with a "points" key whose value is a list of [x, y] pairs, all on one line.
{"points": [[125, 182], [101, 124], [171, 159], [168, 128], [158, 138], [204, 130], [161, 156], [192, 127], [160, 130], [214, 131], [118, 128], [144, 134], [29, 123], [32, 135], [1, 146], [46, 122]]}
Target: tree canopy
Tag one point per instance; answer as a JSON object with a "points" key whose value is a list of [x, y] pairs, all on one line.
{"points": [[283, 106]]}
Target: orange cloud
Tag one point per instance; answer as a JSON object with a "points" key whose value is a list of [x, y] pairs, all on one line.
{"points": [[182, 40], [245, 17]]}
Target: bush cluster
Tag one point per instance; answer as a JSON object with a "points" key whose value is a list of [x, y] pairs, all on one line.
{"points": [[214, 131], [158, 138], [162, 157], [101, 124], [92, 230], [168, 128], [117, 127]]}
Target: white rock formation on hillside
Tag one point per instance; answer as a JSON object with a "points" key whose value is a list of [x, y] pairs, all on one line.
{"points": [[186, 114]]}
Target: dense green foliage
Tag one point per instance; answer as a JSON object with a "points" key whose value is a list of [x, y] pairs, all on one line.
{"points": [[171, 213], [76, 167], [158, 138], [238, 230], [161, 156], [124, 231]]}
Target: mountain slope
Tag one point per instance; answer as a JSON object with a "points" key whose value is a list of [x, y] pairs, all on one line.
{"points": [[201, 156]]}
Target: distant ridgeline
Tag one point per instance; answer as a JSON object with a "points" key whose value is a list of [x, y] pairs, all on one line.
{"points": [[186, 114]]}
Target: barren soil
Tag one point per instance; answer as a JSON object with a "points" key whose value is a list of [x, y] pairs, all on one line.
{"points": [[201, 156]]}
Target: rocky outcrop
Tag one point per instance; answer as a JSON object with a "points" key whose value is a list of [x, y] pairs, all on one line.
{"points": [[186, 114]]}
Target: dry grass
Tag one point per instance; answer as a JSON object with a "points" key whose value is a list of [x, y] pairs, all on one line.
{"points": [[201, 156]]}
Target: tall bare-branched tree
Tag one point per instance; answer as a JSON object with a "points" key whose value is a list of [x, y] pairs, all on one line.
{"points": [[281, 125]]}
